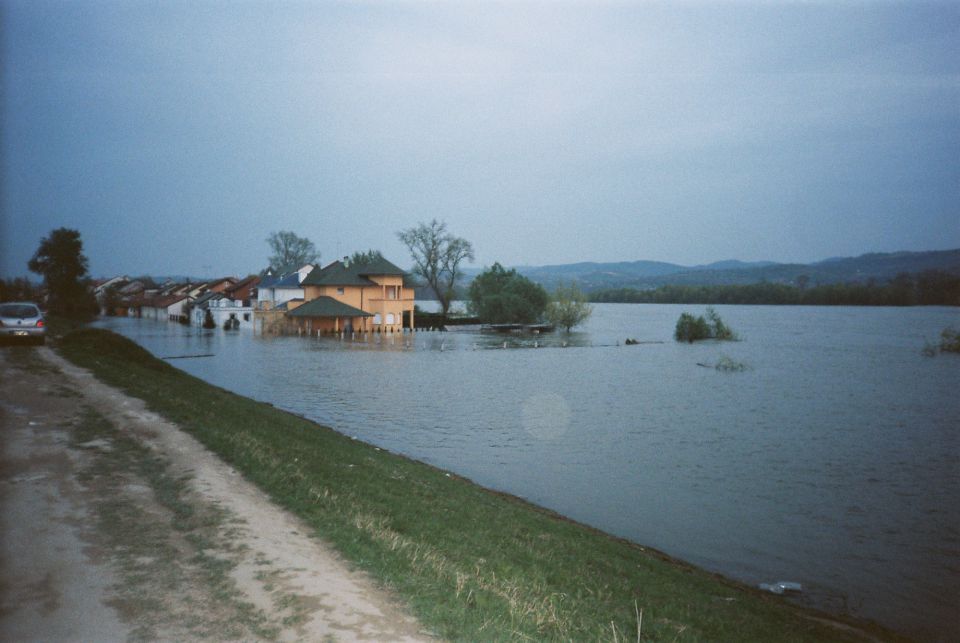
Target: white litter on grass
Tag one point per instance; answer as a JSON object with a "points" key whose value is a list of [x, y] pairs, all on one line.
{"points": [[99, 443], [28, 478], [781, 587]]}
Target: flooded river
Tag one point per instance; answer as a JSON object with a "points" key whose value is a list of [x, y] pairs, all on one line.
{"points": [[832, 461]]}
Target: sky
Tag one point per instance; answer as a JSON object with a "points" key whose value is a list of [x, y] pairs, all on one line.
{"points": [[176, 136]]}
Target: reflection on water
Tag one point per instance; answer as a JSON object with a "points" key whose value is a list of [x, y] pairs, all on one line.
{"points": [[833, 461]]}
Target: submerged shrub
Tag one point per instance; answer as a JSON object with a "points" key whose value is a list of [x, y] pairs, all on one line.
{"points": [[718, 328], [692, 329], [950, 340], [729, 365], [949, 343]]}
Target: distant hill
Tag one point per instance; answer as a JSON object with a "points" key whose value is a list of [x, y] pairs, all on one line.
{"points": [[733, 264], [598, 273], [592, 276], [881, 267]]}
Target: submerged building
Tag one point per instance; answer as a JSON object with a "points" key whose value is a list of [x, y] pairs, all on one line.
{"points": [[346, 297]]}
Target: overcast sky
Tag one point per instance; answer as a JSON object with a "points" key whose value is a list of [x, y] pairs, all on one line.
{"points": [[177, 136]]}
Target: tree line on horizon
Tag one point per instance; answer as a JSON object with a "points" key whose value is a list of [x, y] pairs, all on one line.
{"points": [[927, 288]]}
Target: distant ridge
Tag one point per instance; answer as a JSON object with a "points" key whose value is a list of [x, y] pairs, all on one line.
{"points": [[881, 267], [733, 264]]}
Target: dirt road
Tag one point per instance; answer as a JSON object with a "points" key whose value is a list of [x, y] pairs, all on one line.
{"points": [[117, 525]]}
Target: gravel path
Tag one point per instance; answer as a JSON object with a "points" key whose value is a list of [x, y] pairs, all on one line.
{"points": [[118, 525]]}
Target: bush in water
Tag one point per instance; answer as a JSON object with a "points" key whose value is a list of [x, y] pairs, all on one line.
{"points": [[691, 329]]}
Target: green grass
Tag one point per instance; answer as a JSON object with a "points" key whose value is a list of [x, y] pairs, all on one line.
{"points": [[472, 564], [58, 326]]}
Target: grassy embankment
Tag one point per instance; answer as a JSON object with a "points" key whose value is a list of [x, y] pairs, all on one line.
{"points": [[472, 564]]}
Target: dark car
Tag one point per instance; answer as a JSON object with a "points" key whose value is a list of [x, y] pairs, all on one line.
{"points": [[22, 321]]}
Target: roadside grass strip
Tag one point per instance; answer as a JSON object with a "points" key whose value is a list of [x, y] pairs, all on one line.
{"points": [[472, 564]]}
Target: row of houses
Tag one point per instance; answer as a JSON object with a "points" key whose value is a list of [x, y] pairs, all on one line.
{"points": [[342, 297], [174, 301]]}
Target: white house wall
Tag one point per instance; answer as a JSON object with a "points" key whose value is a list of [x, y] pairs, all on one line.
{"points": [[244, 315], [286, 294], [279, 295], [175, 310], [221, 310]]}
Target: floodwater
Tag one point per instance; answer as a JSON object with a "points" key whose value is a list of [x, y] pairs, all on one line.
{"points": [[832, 461]]}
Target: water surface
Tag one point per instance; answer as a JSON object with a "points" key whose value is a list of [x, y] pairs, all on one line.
{"points": [[832, 461]]}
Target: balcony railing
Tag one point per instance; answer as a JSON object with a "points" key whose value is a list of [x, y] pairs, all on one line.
{"points": [[404, 298]]}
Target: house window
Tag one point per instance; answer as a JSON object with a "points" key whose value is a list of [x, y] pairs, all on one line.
{"points": [[376, 319], [339, 291], [390, 319], [246, 316]]}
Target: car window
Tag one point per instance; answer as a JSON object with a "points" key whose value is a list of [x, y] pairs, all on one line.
{"points": [[18, 310]]}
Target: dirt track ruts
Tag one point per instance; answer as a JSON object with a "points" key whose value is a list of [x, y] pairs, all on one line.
{"points": [[95, 547]]}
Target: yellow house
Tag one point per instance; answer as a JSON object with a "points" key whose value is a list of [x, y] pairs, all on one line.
{"points": [[347, 297]]}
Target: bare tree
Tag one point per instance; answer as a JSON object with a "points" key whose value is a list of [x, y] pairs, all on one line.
{"points": [[437, 256], [290, 251]]}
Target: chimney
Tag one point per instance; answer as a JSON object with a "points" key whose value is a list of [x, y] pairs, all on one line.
{"points": [[346, 261]]}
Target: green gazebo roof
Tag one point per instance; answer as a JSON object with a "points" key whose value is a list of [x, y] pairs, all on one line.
{"points": [[327, 307], [351, 274]]}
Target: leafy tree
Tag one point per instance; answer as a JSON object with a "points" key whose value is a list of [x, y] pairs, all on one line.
{"points": [[61, 261], [290, 251], [370, 256], [499, 296], [437, 256], [18, 289], [568, 307], [111, 300], [186, 314], [938, 287], [903, 289]]}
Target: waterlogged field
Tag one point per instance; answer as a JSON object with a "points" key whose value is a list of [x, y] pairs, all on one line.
{"points": [[832, 460]]}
